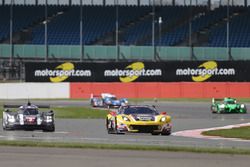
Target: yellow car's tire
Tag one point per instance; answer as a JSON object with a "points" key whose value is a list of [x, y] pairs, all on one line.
{"points": [[109, 130], [166, 133], [155, 133]]}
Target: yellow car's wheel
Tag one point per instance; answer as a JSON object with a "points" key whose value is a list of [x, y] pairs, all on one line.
{"points": [[111, 126], [108, 126], [155, 133], [166, 133]]}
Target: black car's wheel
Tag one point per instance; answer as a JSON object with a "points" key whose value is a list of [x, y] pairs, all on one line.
{"points": [[49, 129], [4, 125]]}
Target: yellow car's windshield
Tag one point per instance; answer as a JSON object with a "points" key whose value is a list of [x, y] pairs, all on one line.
{"points": [[140, 110]]}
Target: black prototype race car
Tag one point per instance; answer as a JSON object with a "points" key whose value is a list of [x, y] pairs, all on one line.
{"points": [[28, 117]]}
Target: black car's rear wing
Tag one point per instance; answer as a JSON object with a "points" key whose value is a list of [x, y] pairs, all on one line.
{"points": [[17, 106]]}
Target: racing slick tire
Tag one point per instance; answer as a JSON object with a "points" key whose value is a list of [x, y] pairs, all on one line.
{"points": [[4, 125], [155, 133], [49, 129], [167, 133], [108, 122], [5, 128], [111, 126], [213, 110]]}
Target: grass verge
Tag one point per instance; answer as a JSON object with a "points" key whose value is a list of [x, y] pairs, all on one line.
{"points": [[79, 112], [125, 147], [75, 112], [241, 132]]}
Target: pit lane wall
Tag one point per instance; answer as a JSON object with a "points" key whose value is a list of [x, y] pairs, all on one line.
{"points": [[34, 90]]}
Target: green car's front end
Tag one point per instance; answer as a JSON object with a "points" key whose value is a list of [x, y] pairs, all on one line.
{"points": [[227, 105]]}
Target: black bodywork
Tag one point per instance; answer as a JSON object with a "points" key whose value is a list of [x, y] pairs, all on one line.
{"points": [[28, 117]]}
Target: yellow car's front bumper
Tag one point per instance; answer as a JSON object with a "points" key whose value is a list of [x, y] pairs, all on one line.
{"points": [[144, 127]]}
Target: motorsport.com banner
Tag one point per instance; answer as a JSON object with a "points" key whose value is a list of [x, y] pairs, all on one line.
{"points": [[172, 71]]}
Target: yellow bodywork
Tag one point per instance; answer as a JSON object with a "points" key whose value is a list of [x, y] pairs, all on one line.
{"points": [[161, 121]]}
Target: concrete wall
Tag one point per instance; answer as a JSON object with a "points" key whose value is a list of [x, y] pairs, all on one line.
{"points": [[34, 90], [129, 90], [163, 89]]}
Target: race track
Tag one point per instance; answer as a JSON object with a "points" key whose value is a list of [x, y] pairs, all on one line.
{"points": [[185, 116], [59, 157]]}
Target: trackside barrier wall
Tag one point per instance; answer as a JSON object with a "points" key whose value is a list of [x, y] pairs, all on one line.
{"points": [[129, 90], [34, 90], [163, 90]]}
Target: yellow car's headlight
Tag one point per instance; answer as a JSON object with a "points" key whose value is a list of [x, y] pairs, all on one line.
{"points": [[125, 118], [163, 119]]}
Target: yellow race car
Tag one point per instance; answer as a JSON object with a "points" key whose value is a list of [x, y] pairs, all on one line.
{"points": [[138, 119]]}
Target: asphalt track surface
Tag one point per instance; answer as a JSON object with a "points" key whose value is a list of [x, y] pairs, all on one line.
{"points": [[58, 157], [185, 116]]}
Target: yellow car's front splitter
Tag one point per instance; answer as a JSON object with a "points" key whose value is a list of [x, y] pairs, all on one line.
{"points": [[145, 128]]}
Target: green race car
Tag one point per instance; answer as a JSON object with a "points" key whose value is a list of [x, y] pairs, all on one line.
{"points": [[227, 105]]}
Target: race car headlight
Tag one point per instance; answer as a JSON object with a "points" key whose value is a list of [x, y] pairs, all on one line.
{"points": [[39, 120], [125, 118], [11, 118], [48, 119], [242, 106], [222, 106], [125, 101], [163, 119]]}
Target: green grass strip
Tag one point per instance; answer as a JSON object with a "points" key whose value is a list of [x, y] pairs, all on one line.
{"points": [[79, 112], [75, 112], [241, 133], [125, 147]]}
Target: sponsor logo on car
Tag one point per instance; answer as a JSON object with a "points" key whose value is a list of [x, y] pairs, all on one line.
{"points": [[205, 71]]}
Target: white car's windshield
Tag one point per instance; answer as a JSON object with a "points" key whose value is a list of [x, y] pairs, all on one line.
{"points": [[30, 111]]}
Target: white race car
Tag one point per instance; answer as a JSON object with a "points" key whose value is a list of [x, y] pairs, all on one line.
{"points": [[28, 117]]}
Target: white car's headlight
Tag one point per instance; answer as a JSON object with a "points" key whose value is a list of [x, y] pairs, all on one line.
{"points": [[163, 119], [48, 119], [11, 118]]}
